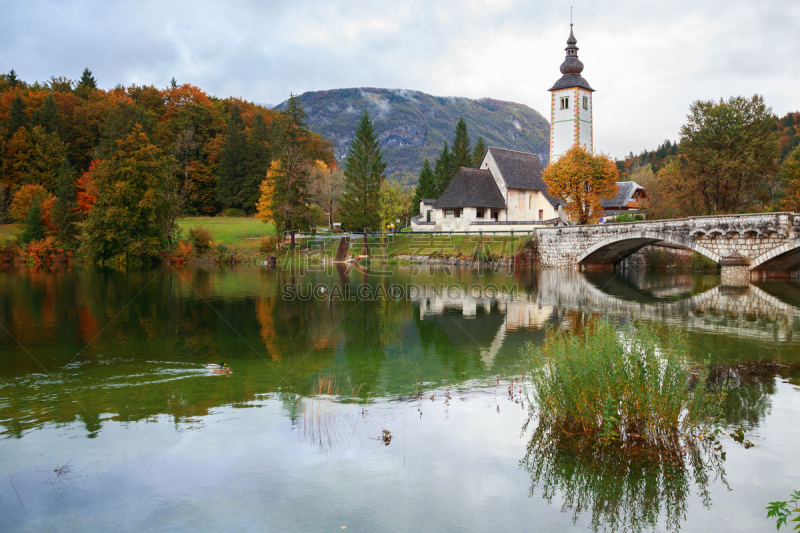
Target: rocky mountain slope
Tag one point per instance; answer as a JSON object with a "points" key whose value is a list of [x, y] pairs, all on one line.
{"points": [[412, 125]]}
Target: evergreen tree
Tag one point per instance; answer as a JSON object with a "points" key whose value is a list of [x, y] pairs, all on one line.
{"points": [[126, 222], [119, 124], [296, 113], [258, 161], [5, 203], [232, 168], [173, 83], [17, 118], [364, 175], [426, 187], [478, 152], [87, 79], [65, 211], [11, 78], [443, 170], [48, 116], [34, 227], [462, 155]]}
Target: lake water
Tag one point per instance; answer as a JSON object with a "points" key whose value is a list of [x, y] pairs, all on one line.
{"points": [[109, 420]]}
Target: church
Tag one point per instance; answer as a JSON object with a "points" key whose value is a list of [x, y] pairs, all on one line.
{"points": [[506, 192]]}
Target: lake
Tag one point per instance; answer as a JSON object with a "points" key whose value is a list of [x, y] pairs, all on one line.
{"points": [[388, 400]]}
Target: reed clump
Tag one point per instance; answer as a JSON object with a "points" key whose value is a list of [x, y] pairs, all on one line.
{"points": [[619, 384]]}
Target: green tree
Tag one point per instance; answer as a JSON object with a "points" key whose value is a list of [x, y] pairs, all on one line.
{"points": [[173, 83], [364, 173], [478, 152], [394, 205], [233, 165], [34, 226], [443, 170], [290, 201], [17, 118], [729, 152], [126, 222], [790, 175], [66, 214], [258, 161], [11, 78], [48, 116], [119, 124], [5, 203], [462, 155], [86, 85], [426, 186]]}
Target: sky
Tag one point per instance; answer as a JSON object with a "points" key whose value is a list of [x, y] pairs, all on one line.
{"points": [[648, 60]]}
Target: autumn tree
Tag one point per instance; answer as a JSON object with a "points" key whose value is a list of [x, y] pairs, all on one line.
{"points": [[119, 124], [364, 175], [582, 179], [790, 174], [728, 151], [462, 155], [291, 201], [24, 198], [126, 222], [233, 166], [426, 185], [478, 152], [267, 192], [66, 215], [327, 185]]}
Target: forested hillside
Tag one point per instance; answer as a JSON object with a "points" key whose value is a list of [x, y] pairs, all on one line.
{"points": [[412, 125]]}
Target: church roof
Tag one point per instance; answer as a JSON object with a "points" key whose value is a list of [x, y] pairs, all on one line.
{"points": [[521, 170], [571, 68], [625, 190], [471, 188]]}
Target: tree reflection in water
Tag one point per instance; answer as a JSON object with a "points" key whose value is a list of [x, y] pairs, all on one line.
{"points": [[624, 486]]}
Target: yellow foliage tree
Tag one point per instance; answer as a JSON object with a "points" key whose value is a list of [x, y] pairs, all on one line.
{"points": [[582, 179], [790, 172], [264, 205]]}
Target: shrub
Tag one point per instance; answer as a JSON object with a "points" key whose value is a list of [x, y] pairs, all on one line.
{"points": [[618, 385], [46, 251], [268, 243], [201, 237], [232, 212], [183, 252]]}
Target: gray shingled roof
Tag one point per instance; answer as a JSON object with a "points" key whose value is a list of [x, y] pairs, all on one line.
{"points": [[625, 190], [571, 80], [521, 170], [471, 188]]}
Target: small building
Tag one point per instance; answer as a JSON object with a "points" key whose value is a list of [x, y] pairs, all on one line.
{"points": [[506, 192], [631, 198]]}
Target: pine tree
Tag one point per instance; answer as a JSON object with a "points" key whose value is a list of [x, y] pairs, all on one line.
{"points": [[11, 78], [48, 116], [173, 83], [443, 170], [65, 211], [462, 155], [233, 166], [426, 187], [17, 118], [258, 161], [34, 226], [478, 152], [364, 174], [86, 85], [295, 112], [5, 203], [119, 124]]}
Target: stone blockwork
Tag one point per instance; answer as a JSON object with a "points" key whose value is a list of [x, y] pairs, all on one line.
{"points": [[766, 242]]}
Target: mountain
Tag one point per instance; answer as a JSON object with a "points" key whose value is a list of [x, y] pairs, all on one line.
{"points": [[412, 125]]}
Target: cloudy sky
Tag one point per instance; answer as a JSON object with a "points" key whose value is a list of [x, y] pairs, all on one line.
{"points": [[647, 59]]}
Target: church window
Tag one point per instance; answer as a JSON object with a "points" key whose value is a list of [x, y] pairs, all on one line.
{"points": [[586, 102], [530, 201], [565, 102], [541, 214]]}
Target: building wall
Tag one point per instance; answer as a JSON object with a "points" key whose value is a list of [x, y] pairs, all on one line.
{"points": [[570, 126], [489, 164], [586, 137]]}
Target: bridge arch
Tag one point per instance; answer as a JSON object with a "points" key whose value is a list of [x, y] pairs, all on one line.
{"points": [[785, 257], [614, 249]]}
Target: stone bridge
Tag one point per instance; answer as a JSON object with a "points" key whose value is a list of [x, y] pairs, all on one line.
{"points": [[746, 246]]}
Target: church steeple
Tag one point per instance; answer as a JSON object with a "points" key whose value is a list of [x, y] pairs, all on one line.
{"points": [[572, 67]]}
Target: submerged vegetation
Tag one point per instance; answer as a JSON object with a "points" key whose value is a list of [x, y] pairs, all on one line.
{"points": [[621, 386]]}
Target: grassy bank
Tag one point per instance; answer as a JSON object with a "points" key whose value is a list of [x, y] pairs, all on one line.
{"points": [[8, 231]]}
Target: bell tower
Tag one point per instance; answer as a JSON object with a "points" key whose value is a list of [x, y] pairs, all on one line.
{"points": [[570, 106]]}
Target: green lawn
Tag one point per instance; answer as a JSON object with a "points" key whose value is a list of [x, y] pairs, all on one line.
{"points": [[9, 230], [235, 232]]}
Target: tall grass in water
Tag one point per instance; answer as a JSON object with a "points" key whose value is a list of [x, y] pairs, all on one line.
{"points": [[322, 421], [616, 383]]}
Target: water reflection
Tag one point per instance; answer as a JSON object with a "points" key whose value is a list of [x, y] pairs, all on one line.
{"points": [[623, 487]]}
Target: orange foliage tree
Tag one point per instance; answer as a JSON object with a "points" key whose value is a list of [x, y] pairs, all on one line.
{"points": [[582, 179], [87, 189]]}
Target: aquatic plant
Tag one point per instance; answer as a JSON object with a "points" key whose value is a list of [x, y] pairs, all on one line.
{"points": [[619, 383], [782, 511]]}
